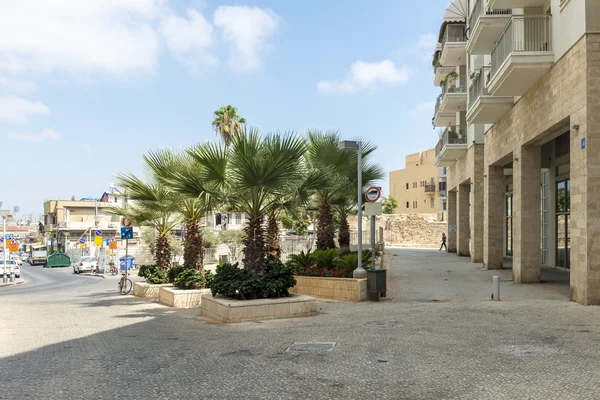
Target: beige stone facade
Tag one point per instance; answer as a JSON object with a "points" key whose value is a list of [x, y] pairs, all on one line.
{"points": [[416, 185], [347, 289]]}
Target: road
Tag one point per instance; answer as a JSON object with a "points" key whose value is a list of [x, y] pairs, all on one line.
{"points": [[438, 337]]}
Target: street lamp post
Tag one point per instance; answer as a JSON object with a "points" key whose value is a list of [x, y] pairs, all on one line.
{"points": [[359, 272]]}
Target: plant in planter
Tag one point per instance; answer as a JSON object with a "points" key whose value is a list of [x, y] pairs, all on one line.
{"points": [[174, 272], [146, 270], [156, 277], [300, 262], [189, 279], [326, 259]]}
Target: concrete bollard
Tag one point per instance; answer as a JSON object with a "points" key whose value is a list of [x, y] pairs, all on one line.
{"points": [[12, 277], [4, 278], [496, 288]]}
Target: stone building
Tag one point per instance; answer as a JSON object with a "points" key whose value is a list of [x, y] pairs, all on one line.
{"points": [[416, 186], [520, 108]]}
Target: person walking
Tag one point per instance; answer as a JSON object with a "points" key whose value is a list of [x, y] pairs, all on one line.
{"points": [[443, 242]]}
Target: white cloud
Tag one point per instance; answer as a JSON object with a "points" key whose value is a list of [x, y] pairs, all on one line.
{"points": [[16, 109], [43, 136], [247, 29], [364, 75], [112, 36], [15, 85], [189, 38]]}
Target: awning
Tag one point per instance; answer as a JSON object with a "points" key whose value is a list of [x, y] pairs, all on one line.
{"points": [[456, 12]]}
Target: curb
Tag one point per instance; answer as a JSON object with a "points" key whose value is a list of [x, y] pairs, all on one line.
{"points": [[22, 281], [96, 275]]}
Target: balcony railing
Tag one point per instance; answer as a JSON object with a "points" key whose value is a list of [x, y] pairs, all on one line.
{"points": [[450, 87], [454, 134], [478, 86], [430, 188], [455, 33], [442, 172], [442, 192], [481, 9], [523, 33], [437, 106]]}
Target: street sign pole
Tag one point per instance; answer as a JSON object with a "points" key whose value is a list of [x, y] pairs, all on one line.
{"points": [[373, 241], [4, 277], [126, 260]]}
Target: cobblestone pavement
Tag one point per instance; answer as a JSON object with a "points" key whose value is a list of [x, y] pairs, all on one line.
{"points": [[440, 337]]}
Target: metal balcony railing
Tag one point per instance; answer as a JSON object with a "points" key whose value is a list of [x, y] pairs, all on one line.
{"points": [[442, 192], [451, 87], [453, 134], [481, 9], [523, 33], [455, 33], [430, 188], [442, 172], [478, 86], [437, 106]]}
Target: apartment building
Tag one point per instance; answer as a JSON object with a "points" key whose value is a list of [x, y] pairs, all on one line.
{"points": [[416, 185], [520, 135]]}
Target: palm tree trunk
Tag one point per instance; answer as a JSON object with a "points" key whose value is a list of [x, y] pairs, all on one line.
{"points": [[325, 228], [163, 252], [255, 249], [344, 235], [193, 252], [273, 243]]}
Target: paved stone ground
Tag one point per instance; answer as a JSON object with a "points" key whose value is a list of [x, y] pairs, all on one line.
{"points": [[439, 338]]}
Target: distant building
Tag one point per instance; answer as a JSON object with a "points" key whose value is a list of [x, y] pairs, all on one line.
{"points": [[416, 186]]}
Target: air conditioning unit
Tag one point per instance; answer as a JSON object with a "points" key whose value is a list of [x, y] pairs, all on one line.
{"points": [[62, 224], [112, 225]]}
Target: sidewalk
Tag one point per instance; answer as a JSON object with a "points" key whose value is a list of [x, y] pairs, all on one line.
{"points": [[18, 281]]}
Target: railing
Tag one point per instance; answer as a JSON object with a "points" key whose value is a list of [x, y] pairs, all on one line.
{"points": [[443, 193], [478, 86], [480, 10], [455, 33], [442, 172], [430, 188], [453, 134], [437, 106], [454, 89], [523, 33]]}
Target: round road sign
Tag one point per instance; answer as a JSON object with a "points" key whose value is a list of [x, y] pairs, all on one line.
{"points": [[98, 232], [373, 194], [82, 240], [125, 222]]}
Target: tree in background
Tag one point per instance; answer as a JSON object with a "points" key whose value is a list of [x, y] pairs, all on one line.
{"points": [[228, 123], [389, 204]]}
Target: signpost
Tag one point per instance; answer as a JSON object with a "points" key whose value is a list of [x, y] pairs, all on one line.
{"points": [[9, 236], [126, 234], [373, 209], [13, 247]]}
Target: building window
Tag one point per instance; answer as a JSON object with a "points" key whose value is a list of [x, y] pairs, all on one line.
{"points": [[115, 199], [407, 186], [407, 207], [431, 202]]}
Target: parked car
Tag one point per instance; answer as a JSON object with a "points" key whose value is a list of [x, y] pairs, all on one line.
{"points": [[17, 259], [11, 267], [86, 264], [24, 257]]}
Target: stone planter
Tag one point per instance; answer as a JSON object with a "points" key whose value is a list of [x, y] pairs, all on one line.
{"points": [[173, 297], [148, 290], [229, 310], [347, 289]]}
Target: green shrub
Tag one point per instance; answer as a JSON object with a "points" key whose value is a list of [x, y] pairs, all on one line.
{"points": [[146, 270], [232, 281], [208, 279], [302, 261], [173, 272], [326, 259], [278, 279], [157, 276], [189, 279]]}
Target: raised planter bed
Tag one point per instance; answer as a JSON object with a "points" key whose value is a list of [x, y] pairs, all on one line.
{"points": [[348, 289], [229, 310], [148, 290], [173, 297]]}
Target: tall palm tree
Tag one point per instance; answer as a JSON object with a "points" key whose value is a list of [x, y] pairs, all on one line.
{"points": [[161, 165], [252, 176], [340, 168], [153, 206], [228, 123]]}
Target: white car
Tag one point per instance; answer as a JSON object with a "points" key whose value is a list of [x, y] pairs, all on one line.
{"points": [[11, 267], [24, 257], [86, 264]]}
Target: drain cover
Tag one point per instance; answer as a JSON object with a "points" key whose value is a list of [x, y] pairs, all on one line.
{"points": [[315, 347]]}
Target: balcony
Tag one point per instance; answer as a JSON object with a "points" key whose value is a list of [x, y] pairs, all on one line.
{"points": [[454, 94], [430, 188], [442, 119], [451, 146], [442, 173], [454, 44], [485, 27], [522, 55], [442, 193], [515, 3], [484, 108]]}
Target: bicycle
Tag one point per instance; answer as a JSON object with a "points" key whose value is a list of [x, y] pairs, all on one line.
{"points": [[124, 285], [113, 270]]}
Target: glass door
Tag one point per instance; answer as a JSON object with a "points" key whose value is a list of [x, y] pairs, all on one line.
{"points": [[563, 215], [545, 217], [508, 226]]}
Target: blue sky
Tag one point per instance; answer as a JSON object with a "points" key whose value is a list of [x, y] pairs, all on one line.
{"points": [[84, 90]]}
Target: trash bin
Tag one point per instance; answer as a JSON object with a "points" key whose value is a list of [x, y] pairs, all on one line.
{"points": [[126, 262], [376, 283]]}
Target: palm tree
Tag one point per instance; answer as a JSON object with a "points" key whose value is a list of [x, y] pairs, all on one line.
{"points": [[340, 168], [251, 176], [161, 165], [153, 206], [227, 123]]}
